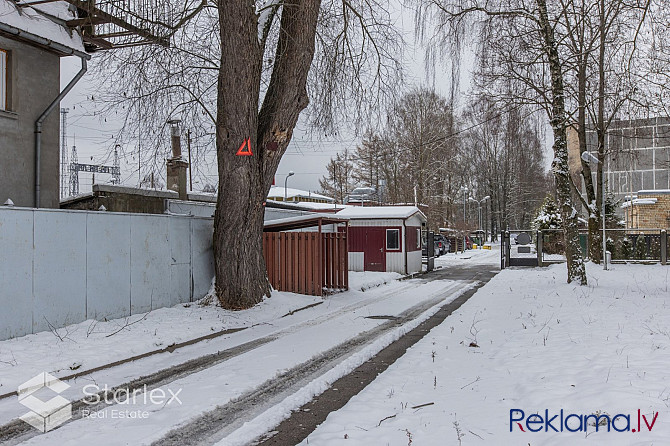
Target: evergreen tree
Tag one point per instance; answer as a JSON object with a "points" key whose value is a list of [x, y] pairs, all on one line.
{"points": [[548, 216]]}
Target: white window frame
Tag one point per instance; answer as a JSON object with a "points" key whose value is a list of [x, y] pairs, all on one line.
{"points": [[4, 74], [399, 248]]}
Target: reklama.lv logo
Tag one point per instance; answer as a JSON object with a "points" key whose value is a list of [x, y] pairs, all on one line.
{"points": [[573, 422]]}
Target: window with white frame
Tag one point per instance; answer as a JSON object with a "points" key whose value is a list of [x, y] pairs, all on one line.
{"points": [[3, 80], [418, 238], [393, 239]]}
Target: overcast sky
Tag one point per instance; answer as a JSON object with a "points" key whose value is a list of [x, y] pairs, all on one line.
{"points": [[307, 155]]}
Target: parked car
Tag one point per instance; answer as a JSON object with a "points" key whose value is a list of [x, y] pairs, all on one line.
{"points": [[441, 245]]}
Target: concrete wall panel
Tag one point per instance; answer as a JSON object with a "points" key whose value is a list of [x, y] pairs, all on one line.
{"points": [[67, 266], [150, 263], [16, 272], [202, 255], [108, 265], [180, 256], [59, 282]]}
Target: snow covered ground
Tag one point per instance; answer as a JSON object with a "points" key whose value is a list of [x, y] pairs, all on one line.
{"points": [[287, 341], [528, 341], [91, 344]]}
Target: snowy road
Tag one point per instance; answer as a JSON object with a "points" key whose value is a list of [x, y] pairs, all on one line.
{"points": [[256, 376]]}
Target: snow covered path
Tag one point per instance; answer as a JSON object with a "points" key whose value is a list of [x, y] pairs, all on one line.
{"points": [[291, 341], [542, 346]]}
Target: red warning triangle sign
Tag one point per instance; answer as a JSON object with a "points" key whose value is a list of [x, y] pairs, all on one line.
{"points": [[245, 148]]}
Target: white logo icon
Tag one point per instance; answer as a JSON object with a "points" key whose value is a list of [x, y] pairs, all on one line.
{"points": [[44, 415]]}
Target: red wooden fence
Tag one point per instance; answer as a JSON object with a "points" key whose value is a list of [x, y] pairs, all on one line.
{"points": [[307, 262]]}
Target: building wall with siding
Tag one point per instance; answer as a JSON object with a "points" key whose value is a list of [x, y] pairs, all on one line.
{"points": [[356, 261], [395, 262], [414, 262], [34, 82]]}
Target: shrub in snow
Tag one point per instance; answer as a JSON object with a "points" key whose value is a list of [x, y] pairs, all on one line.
{"points": [[549, 220], [640, 248]]}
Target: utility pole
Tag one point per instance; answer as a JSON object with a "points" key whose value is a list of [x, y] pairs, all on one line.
{"points": [[74, 173], [190, 161], [63, 153]]}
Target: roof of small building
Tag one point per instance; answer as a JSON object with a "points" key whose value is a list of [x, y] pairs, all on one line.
{"points": [[302, 221], [278, 191], [372, 212], [46, 20]]}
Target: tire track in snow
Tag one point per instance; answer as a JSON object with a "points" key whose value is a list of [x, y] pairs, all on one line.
{"points": [[17, 431]]}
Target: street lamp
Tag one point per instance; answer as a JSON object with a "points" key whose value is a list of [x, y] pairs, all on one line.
{"points": [[290, 174], [465, 199], [589, 158], [479, 203]]}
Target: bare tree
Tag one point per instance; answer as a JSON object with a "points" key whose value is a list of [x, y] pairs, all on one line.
{"points": [[245, 72], [520, 39], [337, 183]]}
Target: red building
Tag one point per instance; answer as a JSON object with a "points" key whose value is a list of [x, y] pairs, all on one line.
{"points": [[385, 238]]}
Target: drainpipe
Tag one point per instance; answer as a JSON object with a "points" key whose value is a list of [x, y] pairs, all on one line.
{"points": [[40, 121], [62, 49]]}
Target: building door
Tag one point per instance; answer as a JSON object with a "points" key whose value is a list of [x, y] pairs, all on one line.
{"points": [[375, 252]]}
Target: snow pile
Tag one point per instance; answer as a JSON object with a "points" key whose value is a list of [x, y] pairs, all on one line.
{"points": [[40, 21], [363, 280], [527, 340]]}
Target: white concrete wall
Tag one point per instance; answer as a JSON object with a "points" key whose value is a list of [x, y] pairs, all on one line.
{"points": [[65, 266]]}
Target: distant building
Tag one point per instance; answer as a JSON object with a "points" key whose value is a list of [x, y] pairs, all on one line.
{"points": [[363, 196], [649, 209], [278, 193], [638, 156], [32, 41]]}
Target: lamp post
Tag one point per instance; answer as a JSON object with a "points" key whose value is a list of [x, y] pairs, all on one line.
{"points": [[465, 199], [479, 204], [589, 158], [290, 174]]}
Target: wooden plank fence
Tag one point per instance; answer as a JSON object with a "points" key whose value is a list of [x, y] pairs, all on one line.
{"points": [[307, 262]]}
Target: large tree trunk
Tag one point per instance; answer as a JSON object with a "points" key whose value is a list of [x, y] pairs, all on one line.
{"points": [[592, 209], [244, 181], [575, 262]]}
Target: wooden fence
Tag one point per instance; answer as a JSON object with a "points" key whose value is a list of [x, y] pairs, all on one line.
{"points": [[307, 262]]}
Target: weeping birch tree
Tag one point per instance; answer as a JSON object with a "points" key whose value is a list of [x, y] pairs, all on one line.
{"points": [[521, 55]]}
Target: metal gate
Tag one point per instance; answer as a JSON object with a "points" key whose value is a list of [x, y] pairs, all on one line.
{"points": [[518, 248]]}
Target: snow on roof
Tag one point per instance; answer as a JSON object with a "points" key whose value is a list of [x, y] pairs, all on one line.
{"points": [[278, 191], [312, 218], [321, 206], [639, 201], [362, 212], [44, 20], [654, 191]]}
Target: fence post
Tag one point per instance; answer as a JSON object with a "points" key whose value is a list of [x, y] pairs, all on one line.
{"points": [[538, 246], [664, 247], [502, 250]]}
